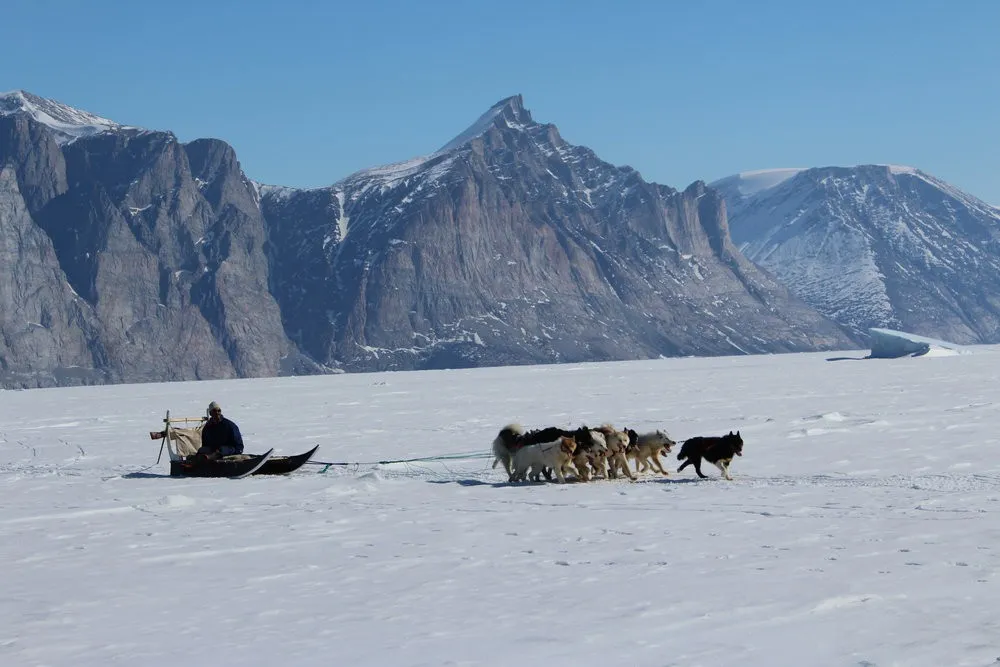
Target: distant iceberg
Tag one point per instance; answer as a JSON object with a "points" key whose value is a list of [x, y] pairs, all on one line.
{"points": [[889, 344]]}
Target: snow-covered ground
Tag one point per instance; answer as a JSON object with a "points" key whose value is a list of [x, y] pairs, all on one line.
{"points": [[862, 528]]}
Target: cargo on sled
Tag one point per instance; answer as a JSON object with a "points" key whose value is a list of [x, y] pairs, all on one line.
{"points": [[182, 438]]}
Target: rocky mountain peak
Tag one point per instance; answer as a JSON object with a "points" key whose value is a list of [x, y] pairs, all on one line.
{"points": [[507, 113]]}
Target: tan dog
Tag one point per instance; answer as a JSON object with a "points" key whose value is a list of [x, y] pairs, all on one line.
{"points": [[556, 455], [617, 443], [591, 456], [645, 449]]}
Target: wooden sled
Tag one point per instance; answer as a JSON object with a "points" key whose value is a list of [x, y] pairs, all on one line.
{"points": [[182, 443]]}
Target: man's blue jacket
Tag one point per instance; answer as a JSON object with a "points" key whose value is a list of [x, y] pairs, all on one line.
{"points": [[217, 435]]}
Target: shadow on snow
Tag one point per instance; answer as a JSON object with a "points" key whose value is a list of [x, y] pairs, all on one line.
{"points": [[569, 482]]}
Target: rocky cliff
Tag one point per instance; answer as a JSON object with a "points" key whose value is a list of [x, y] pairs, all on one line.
{"points": [[130, 256], [510, 245]]}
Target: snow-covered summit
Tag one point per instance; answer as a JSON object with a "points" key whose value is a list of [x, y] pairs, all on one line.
{"points": [[68, 122], [426, 172], [430, 169], [509, 111], [749, 183]]}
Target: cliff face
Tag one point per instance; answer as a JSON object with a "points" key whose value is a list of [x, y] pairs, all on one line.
{"points": [[510, 245], [129, 256], [132, 258]]}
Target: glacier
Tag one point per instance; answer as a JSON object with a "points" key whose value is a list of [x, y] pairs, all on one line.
{"points": [[891, 344]]}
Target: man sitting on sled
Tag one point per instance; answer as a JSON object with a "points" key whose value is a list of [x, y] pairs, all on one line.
{"points": [[219, 436]]}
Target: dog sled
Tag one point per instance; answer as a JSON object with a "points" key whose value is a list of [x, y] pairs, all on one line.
{"points": [[182, 438]]}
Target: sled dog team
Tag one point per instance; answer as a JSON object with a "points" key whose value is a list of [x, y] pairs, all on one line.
{"points": [[603, 452]]}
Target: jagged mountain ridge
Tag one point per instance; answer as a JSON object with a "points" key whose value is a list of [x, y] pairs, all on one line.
{"points": [[875, 246], [131, 256], [509, 245]]}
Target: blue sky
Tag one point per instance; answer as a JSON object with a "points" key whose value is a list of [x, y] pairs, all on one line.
{"points": [[308, 92]]}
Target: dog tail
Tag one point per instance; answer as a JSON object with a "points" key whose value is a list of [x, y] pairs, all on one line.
{"points": [[508, 435], [512, 429], [504, 441]]}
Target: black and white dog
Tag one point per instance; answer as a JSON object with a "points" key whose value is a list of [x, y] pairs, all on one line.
{"points": [[718, 451], [512, 437]]}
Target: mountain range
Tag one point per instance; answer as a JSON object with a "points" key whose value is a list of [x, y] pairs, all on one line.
{"points": [[875, 246], [510, 245], [130, 256]]}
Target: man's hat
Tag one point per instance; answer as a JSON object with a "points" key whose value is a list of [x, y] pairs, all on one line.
{"points": [[213, 406]]}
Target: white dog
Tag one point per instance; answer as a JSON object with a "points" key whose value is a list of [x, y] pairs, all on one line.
{"points": [[557, 455]]}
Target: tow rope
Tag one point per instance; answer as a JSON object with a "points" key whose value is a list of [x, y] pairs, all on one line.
{"points": [[421, 459]]}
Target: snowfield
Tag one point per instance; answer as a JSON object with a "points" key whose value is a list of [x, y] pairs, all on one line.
{"points": [[861, 528]]}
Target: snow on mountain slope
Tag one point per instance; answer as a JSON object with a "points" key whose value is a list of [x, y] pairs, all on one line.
{"points": [[483, 123], [67, 122], [424, 172], [749, 183], [877, 246]]}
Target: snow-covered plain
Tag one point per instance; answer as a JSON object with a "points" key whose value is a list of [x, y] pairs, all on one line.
{"points": [[861, 529]]}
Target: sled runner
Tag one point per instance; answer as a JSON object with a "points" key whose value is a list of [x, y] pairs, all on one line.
{"points": [[241, 465], [183, 442], [235, 467]]}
